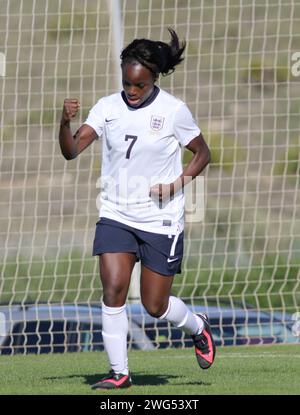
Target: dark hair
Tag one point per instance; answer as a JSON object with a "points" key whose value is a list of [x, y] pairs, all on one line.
{"points": [[158, 57]]}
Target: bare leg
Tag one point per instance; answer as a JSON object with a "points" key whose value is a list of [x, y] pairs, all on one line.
{"points": [[155, 291], [115, 273], [156, 298]]}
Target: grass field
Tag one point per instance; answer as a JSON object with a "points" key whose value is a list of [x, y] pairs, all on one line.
{"points": [[261, 370]]}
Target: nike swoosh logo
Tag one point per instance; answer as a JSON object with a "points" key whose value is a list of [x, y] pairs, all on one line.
{"points": [[110, 119], [172, 260]]}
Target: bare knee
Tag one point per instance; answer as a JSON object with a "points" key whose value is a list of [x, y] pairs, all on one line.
{"points": [[155, 292], [155, 308], [115, 293], [115, 272]]}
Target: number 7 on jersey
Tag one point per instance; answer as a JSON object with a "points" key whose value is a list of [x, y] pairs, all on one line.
{"points": [[133, 138]]}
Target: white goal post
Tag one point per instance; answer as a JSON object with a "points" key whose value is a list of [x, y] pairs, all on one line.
{"points": [[238, 81]]}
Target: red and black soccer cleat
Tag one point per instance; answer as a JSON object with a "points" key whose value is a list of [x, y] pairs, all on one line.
{"points": [[113, 381], [205, 348]]}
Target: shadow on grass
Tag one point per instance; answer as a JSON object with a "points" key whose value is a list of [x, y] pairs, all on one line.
{"points": [[137, 379], [148, 380]]}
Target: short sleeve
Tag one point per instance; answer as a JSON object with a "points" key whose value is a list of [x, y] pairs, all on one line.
{"points": [[185, 127], [95, 118]]}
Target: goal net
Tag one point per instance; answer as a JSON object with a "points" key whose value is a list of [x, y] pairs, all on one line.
{"points": [[241, 263]]}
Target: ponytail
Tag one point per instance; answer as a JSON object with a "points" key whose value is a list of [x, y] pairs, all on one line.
{"points": [[158, 57]]}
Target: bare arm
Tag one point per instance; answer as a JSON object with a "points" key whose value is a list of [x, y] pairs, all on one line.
{"points": [[71, 145], [197, 164]]}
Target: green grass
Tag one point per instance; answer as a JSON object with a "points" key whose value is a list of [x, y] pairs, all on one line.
{"points": [[237, 370]]}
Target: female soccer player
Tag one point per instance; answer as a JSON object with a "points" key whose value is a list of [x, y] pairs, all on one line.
{"points": [[142, 204]]}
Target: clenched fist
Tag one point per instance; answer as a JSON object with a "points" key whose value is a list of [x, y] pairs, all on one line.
{"points": [[162, 192], [70, 109]]}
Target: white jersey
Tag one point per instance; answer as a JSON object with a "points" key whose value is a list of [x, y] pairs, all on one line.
{"points": [[142, 147]]}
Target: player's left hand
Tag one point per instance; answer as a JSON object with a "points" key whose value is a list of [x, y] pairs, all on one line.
{"points": [[162, 192]]}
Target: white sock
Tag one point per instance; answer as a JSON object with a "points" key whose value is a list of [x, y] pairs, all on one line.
{"points": [[114, 332], [180, 316]]}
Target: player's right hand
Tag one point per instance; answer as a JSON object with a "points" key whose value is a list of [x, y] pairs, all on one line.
{"points": [[70, 109]]}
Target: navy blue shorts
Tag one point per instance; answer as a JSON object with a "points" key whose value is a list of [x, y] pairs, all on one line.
{"points": [[160, 253]]}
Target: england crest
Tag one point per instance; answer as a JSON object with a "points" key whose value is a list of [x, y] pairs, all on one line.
{"points": [[157, 122]]}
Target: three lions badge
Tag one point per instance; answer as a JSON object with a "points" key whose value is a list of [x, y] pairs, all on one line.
{"points": [[157, 122]]}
